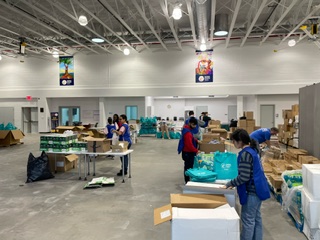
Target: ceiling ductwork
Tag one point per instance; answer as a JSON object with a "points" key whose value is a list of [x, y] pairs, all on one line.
{"points": [[203, 19]]}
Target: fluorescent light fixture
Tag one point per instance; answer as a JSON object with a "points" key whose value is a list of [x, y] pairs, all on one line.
{"points": [[292, 43], [126, 51], [176, 13], [203, 47], [82, 20], [55, 54], [97, 40], [221, 25]]}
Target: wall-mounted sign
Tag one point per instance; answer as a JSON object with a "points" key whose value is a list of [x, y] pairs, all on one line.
{"points": [[204, 66], [66, 70]]}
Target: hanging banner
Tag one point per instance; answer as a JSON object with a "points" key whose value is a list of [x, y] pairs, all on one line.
{"points": [[66, 71], [204, 67]]}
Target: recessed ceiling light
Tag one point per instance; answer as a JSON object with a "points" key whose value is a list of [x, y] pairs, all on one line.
{"points": [[97, 40], [177, 13], [0, 57], [126, 51], [221, 33], [291, 43], [55, 54]]}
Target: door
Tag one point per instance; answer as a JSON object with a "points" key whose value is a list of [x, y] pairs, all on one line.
{"points": [[232, 112], [30, 119], [267, 116], [199, 110], [69, 115], [132, 112]]}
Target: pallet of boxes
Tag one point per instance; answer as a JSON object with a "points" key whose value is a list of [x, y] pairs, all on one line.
{"points": [[248, 124], [289, 130], [213, 140]]}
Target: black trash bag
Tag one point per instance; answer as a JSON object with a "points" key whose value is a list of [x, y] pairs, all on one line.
{"points": [[38, 168]]}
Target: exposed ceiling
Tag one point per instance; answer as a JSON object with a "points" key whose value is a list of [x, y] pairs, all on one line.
{"points": [[146, 25]]}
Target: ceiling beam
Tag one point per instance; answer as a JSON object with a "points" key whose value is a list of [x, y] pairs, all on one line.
{"points": [[143, 15], [263, 4], [213, 14], [315, 9], [164, 7], [119, 18], [293, 2], [233, 21]]}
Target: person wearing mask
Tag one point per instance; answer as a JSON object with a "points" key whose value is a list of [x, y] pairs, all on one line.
{"points": [[251, 183], [195, 131], [188, 145], [124, 135], [263, 135]]}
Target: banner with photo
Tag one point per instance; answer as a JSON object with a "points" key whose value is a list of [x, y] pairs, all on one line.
{"points": [[66, 71], [204, 66]]}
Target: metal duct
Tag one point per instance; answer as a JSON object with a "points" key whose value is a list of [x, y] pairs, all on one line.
{"points": [[203, 19]]}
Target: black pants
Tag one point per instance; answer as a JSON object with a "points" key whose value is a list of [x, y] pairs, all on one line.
{"points": [[188, 158]]}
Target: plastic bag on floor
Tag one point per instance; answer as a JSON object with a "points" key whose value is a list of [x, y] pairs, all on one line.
{"points": [[38, 168]]}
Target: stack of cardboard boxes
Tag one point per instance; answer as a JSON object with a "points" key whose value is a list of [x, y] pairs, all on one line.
{"points": [[288, 131], [249, 124], [213, 140]]}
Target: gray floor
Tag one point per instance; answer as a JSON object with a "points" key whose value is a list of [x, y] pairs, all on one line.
{"points": [[59, 208]]}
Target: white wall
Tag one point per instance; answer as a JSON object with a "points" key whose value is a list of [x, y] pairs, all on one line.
{"points": [[250, 70]]}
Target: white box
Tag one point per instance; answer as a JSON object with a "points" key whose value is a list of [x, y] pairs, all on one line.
{"points": [[210, 188], [311, 234], [311, 179], [222, 223], [310, 209]]}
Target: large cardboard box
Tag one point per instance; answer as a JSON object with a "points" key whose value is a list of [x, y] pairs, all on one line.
{"points": [[242, 123], [248, 115], [223, 132], [98, 145], [276, 181], [251, 123], [10, 137], [219, 223], [207, 137], [250, 129], [62, 129], [208, 148], [307, 159], [62, 162], [120, 147], [164, 213]]}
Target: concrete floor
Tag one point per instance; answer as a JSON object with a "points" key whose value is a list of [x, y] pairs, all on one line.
{"points": [[59, 208]]}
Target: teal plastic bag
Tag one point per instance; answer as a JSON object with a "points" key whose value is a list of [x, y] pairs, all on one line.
{"points": [[225, 165], [201, 175], [2, 126], [10, 126]]}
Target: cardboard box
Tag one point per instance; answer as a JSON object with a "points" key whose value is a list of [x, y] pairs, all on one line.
{"points": [[10, 137], [98, 145], [214, 122], [208, 148], [219, 223], [207, 137], [164, 213], [242, 123], [276, 181], [248, 115], [62, 162], [62, 129], [251, 123], [250, 129], [120, 147], [223, 133], [307, 159], [232, 129], [277, 171]]}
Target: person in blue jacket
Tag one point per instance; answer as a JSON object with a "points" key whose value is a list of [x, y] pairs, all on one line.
{"points": [[124, 135], [108, 131], [251, 183], [263, 135]]}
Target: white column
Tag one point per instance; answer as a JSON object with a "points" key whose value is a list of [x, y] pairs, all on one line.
{"points": [[102, 113], [44, 120], [240, 106], [149, 106]]}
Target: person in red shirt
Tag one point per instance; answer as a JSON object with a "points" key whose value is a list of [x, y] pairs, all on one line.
{"points": [[188, 145]]}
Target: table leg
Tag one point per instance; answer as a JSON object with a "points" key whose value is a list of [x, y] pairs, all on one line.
{"points": [[55, 163], [79, 167], [123, 170], [85, 169], [129, 159], [89, 165], [94, 166]]}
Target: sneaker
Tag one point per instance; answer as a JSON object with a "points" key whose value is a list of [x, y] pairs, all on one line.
{"points": [[120, 173]]}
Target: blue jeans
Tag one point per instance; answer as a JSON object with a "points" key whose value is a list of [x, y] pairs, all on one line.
{"points": [[125, 160], [251, 219]]}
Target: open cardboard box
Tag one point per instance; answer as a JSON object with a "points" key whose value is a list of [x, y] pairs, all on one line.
{"points": [[98, 145], [164, 213], [120, 147], [63, 163], [208, 147], [9, 137]]}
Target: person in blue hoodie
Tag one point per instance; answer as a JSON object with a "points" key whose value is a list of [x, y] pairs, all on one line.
{"points": [[251, 183], [124, 135]]}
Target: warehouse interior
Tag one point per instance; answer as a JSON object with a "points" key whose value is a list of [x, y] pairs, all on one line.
{"points": [[146, 59]]}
